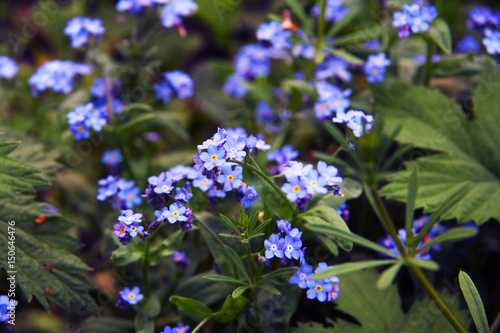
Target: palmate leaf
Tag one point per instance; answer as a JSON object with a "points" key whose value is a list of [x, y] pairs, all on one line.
{"points": [[380, 310], [63, 280], [469, 149]]}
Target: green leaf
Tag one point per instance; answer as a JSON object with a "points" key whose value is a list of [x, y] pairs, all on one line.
{"points": [[331, 231], [427, 264], [350, 188], [474, 302], [225, 279], [469, 147], [380, 310], [171, 244], [232, 308], [350, 267], [274, 201], [281, 272], [230, 224], [441, 35], [37, 245], [127, 254], [329, 216], [143, 324], [239, 291], [360, 36], [410, 202], [152, 307], [261, 227], [329, 244], [230, 236], [235, 259], [108, 325], [346, 20], [451, 235], [387, 277], [193, 308], [269, 289], [349, 57]]}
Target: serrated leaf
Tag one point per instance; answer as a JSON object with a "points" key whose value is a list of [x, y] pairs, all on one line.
{"points": [[474, 302], [441, 35], [469, 147], [232, 308], [380, 310], [350, 267], [329, 216], [193, 308]]}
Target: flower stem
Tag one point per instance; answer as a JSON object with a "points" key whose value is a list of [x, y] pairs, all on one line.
{"points": [[428, 62], [200, 325], [321, 27], [254, 286], [417, 272], [145, 266]]}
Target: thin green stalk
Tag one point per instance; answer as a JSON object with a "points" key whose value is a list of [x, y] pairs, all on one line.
{"points": [[428, 62], [201, 324], [268, 180], [454, 321], [417, 272], [145, 266], [254, 287], [321, 27]]}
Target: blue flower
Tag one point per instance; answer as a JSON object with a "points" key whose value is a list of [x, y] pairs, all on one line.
{"points": [[264, 113], [182, 194], [318, 289], [203, 183], [58, 75], [492, 41], [335, 10], [274, 247], [274, 33], [295, 189], [161, 215], [214, 192], [304, 50], [133, 6], [164, 187], [180, 258], [8, 67], [176, 212], [120, 230], [315, 183], [181, 83], [179, 329], [96, 120], [414, 18], [322, 266], [302, 276], [173, 10], [292, 248], [214, 157], [468, 44], [79, 29], [284, 225], [330, 173], [296, 169], [251, 196], [231, 178], [235, 86], [134, 229], [131, 296], [80, 114], [252, 62], [129, 217], [112, 158], [130, 196], [356, 120], [283, 156], [333, 67], [376, 66], [80, 131], [234, 148], [163, 91], [98, 89], [373, 44]]}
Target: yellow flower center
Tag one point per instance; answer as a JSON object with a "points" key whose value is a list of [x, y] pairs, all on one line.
{"points": [[204, 181], [132, 296], [133, 228], [175, 214], [296, 188], [80, 128], [122, 230], [313, 183], [130, 196], [213, 157], [318, 288], [230, 178]]}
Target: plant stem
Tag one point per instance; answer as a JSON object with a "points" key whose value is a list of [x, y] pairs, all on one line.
{"points": [[428, 63], [254, 287], [268, 180], [448, 313], [200, 325], [145, 265], [417, 272], [321, 27]]}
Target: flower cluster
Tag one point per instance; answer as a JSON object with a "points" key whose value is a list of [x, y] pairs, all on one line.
{"points": [[478, 19], [335, 10], [181, 328], [331, 99], [176, 212], [120, 192], [57, 75], [85, 117], [79, 30], [172, 81], [8, 67], [172, 11], [468, 44], [492, 41], [356, 120], [418, 224], [100, 90], [128, 226], [131, 296], [375, 67], [282, 157], [6, 306], [413, 19], [286, 245], [305, 181]]}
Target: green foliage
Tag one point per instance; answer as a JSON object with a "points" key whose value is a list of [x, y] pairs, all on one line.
{"points": [[194, 308], [65, 281], [474, 302], [350, 267], [441, 35], [469, 147], [231, 308]]}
